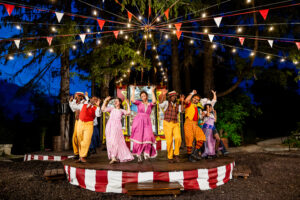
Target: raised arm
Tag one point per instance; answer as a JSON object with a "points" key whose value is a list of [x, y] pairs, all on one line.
{"points": [[132, 95], [128, 108], [98, 110], [215, 95], [105, 103], [163, 96], [188, 98], [86, 96], [153, 95], [181, 98]]}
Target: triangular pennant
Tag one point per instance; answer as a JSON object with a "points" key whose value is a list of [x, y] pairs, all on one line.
{"points": [[178, 33], [49, 40], [211, 37], [264, 13], [101, 23], [178, 26], [149, 11], [271, 42], [116, 33], [242, 39], [218, 20], [59, 16], [82, 37], [9, 8], [17, 42], [129, 16], [298, 45], [167, 13]]}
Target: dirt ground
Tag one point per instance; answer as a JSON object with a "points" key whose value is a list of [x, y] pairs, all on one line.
{"points": [[274, 176]]}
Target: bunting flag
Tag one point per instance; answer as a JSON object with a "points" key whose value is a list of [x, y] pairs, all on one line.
{"points": [[129, 16], [116, 33], [9, 8], [49, 40], [271, 42], [242, 39], [167, 13], [218, 20], [149, 11], [17, 42], [211, 37], [264, 13], [178, 26], [82, 37], [178, 33], [101, 23], [298, 45], [59, 16]]}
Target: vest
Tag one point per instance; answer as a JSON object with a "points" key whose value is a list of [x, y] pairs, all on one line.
{"points": [[87, 114], [191, 112], [171, 115]]}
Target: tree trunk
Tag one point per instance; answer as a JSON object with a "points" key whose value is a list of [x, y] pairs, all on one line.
{"points": [[105, 85], [208, 70], [187, 62], [176, 83], [93, 87], [64, 96]]}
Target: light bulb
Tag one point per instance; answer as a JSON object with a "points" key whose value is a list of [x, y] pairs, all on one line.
{"points": [[10, 57], [95, 12], [233, 50], [205, 31], [51, 50], [128, 25], [239, 30], [158, 19], [203, 15], [214, 46], [126, 37]]}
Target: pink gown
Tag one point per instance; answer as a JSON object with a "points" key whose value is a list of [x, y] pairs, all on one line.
{"points": [[141, 133], [115, 142]]}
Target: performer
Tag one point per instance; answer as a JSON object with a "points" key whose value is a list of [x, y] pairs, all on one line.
{"points": [[79, 98], [142, 134], [191, 128], [170, 123], [117, 149], [209, 118], [95, 142], [88, 112]]}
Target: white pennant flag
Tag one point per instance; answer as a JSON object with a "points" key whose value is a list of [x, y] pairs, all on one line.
{"points": [[17, 42], [211, 37], [82, 37], [271, 42], [218, 20], [59, 16]]}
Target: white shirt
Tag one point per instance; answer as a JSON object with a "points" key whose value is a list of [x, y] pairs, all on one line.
{"points": [[164, 106], [207, 101]]}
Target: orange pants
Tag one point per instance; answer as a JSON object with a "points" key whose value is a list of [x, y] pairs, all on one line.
{"points": [[74, 139], [192, 131], [84, 136], [171, 131]]}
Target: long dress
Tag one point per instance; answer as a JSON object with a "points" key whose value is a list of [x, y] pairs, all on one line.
{"points": [[142, 134], [115, 142], [210, 142]]}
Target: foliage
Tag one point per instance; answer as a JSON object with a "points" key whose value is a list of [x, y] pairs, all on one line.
{"points": [[292, 142], [232, 113]]}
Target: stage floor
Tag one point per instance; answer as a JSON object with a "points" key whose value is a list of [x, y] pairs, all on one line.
{"points": [[100, 161]]}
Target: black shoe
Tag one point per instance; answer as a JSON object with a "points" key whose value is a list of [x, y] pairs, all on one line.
{"points": [[196, 155], [191, 159], [225, 153], [75, 157]]}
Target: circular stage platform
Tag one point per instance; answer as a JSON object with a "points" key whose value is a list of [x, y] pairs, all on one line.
{"points": [[29, 157], [98, 175]]}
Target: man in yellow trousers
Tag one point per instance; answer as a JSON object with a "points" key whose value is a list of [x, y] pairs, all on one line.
{"points": [[171, 123]]}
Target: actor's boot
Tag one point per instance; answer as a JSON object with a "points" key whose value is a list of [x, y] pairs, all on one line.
{"points": [[190, 158], [196, 154]]}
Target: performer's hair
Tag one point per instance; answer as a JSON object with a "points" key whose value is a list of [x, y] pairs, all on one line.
{"points": [[144, 93], [207, 105], [196, 95], [120, 100]]}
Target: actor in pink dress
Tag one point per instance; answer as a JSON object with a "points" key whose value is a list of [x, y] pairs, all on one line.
{"points": [[117, 149], [141, 133]]}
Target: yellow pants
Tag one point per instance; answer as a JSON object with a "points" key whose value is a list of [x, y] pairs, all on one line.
{"points": [[192, 131], [74, 139], [84, 136], [172, 130]]}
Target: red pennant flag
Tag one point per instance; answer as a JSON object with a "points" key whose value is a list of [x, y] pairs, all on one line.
{"points": [[178, 33], [101, 23], [242, 39], [298, 45], [9, 8], [49, 40], [129, 15], [149, 11], [116, 33], [264, 13], [178, 26], [167, 13]]}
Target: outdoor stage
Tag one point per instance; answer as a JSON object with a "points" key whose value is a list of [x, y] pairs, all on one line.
{"points": [[98, 175]]}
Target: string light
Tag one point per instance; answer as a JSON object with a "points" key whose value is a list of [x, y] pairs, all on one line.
{"points": [[140, 17], [268, 57], [248, 1], [29, 54], [271, 28], [98, 42], [159, 63], [128, 70], [18, 27], [191, 41], [88, 30], [170, 26], [145, 36], [203, 15], [157, 57], [282, 60], [51, 50], [10, 57], [174, 32], [252, 54], [128, 25], [53, 29], [161, 69], [205, 31], [150, 35], [239, 30], [95, 13], [158, 19], [132, 63], [295, 62], [233, 50], [154, 47], [138, 52], [166, 36], [214, 46], [121, 32], [124, 75], [126, 37], [74, 47]]}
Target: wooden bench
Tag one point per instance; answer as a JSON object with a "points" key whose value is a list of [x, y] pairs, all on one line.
{"points": [[154, 188], [54, 174], [241, 171]]}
